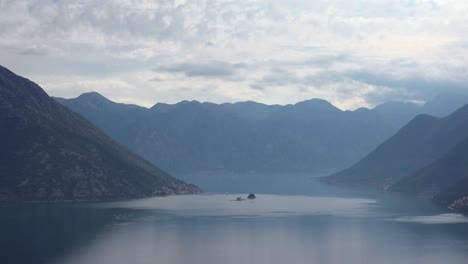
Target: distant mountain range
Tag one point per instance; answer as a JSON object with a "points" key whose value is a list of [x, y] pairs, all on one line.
{"points": [[427, 157], [311, 136], [51, 153]]}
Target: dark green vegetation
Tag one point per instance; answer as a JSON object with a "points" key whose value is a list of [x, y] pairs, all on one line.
{"points": [[191, 137], [50, 153], [428, 157]]}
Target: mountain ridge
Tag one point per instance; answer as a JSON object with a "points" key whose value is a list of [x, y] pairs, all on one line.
{"points": [[52, 153], [421, 141], [231, 120], [439, 106], [246, 136]]}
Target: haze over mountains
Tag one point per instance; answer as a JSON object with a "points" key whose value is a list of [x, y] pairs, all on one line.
{"points": [[310, 136], [419, 142], [427, 157], [445, 179], [51, 153]]}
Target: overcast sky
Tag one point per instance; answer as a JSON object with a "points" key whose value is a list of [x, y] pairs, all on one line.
{"points": [[352, 53]]}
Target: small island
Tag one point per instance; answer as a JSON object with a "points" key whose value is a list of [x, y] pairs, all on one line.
{"points": [[251, 196]]}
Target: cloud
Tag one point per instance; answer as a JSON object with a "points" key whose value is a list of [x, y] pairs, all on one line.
{"points": [[34, 51], [353, 53], [204, 69], [410, 85], [324, 60]]}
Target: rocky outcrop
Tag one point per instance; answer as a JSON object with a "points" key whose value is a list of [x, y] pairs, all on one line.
{"points": [[460, 204], [177, 189], [251, 196]]}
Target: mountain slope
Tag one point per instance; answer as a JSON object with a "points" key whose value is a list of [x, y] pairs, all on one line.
{"points": [[420, 142], [190, 138], [50, 153], [445, 179], [193, 137]]}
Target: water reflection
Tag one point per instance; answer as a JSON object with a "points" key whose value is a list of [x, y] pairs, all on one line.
{"points": [[263, 206], [435, 219], [296, 239], [40, 233], [214, 229]]}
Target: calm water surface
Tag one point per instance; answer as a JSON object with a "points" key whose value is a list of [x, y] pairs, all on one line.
{"points": [[216, 229]]}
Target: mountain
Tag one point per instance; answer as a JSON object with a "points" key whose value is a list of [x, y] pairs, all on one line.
{"points": [[400, 113], [443, 104], [422, 141], [51, 153], [192, 137], [445, 179]]}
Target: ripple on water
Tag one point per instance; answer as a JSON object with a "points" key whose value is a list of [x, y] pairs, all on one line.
{"points": [[435, 219], [264, 205]]}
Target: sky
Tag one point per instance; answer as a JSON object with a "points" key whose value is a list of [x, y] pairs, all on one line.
{"points": [[351, 53]]}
